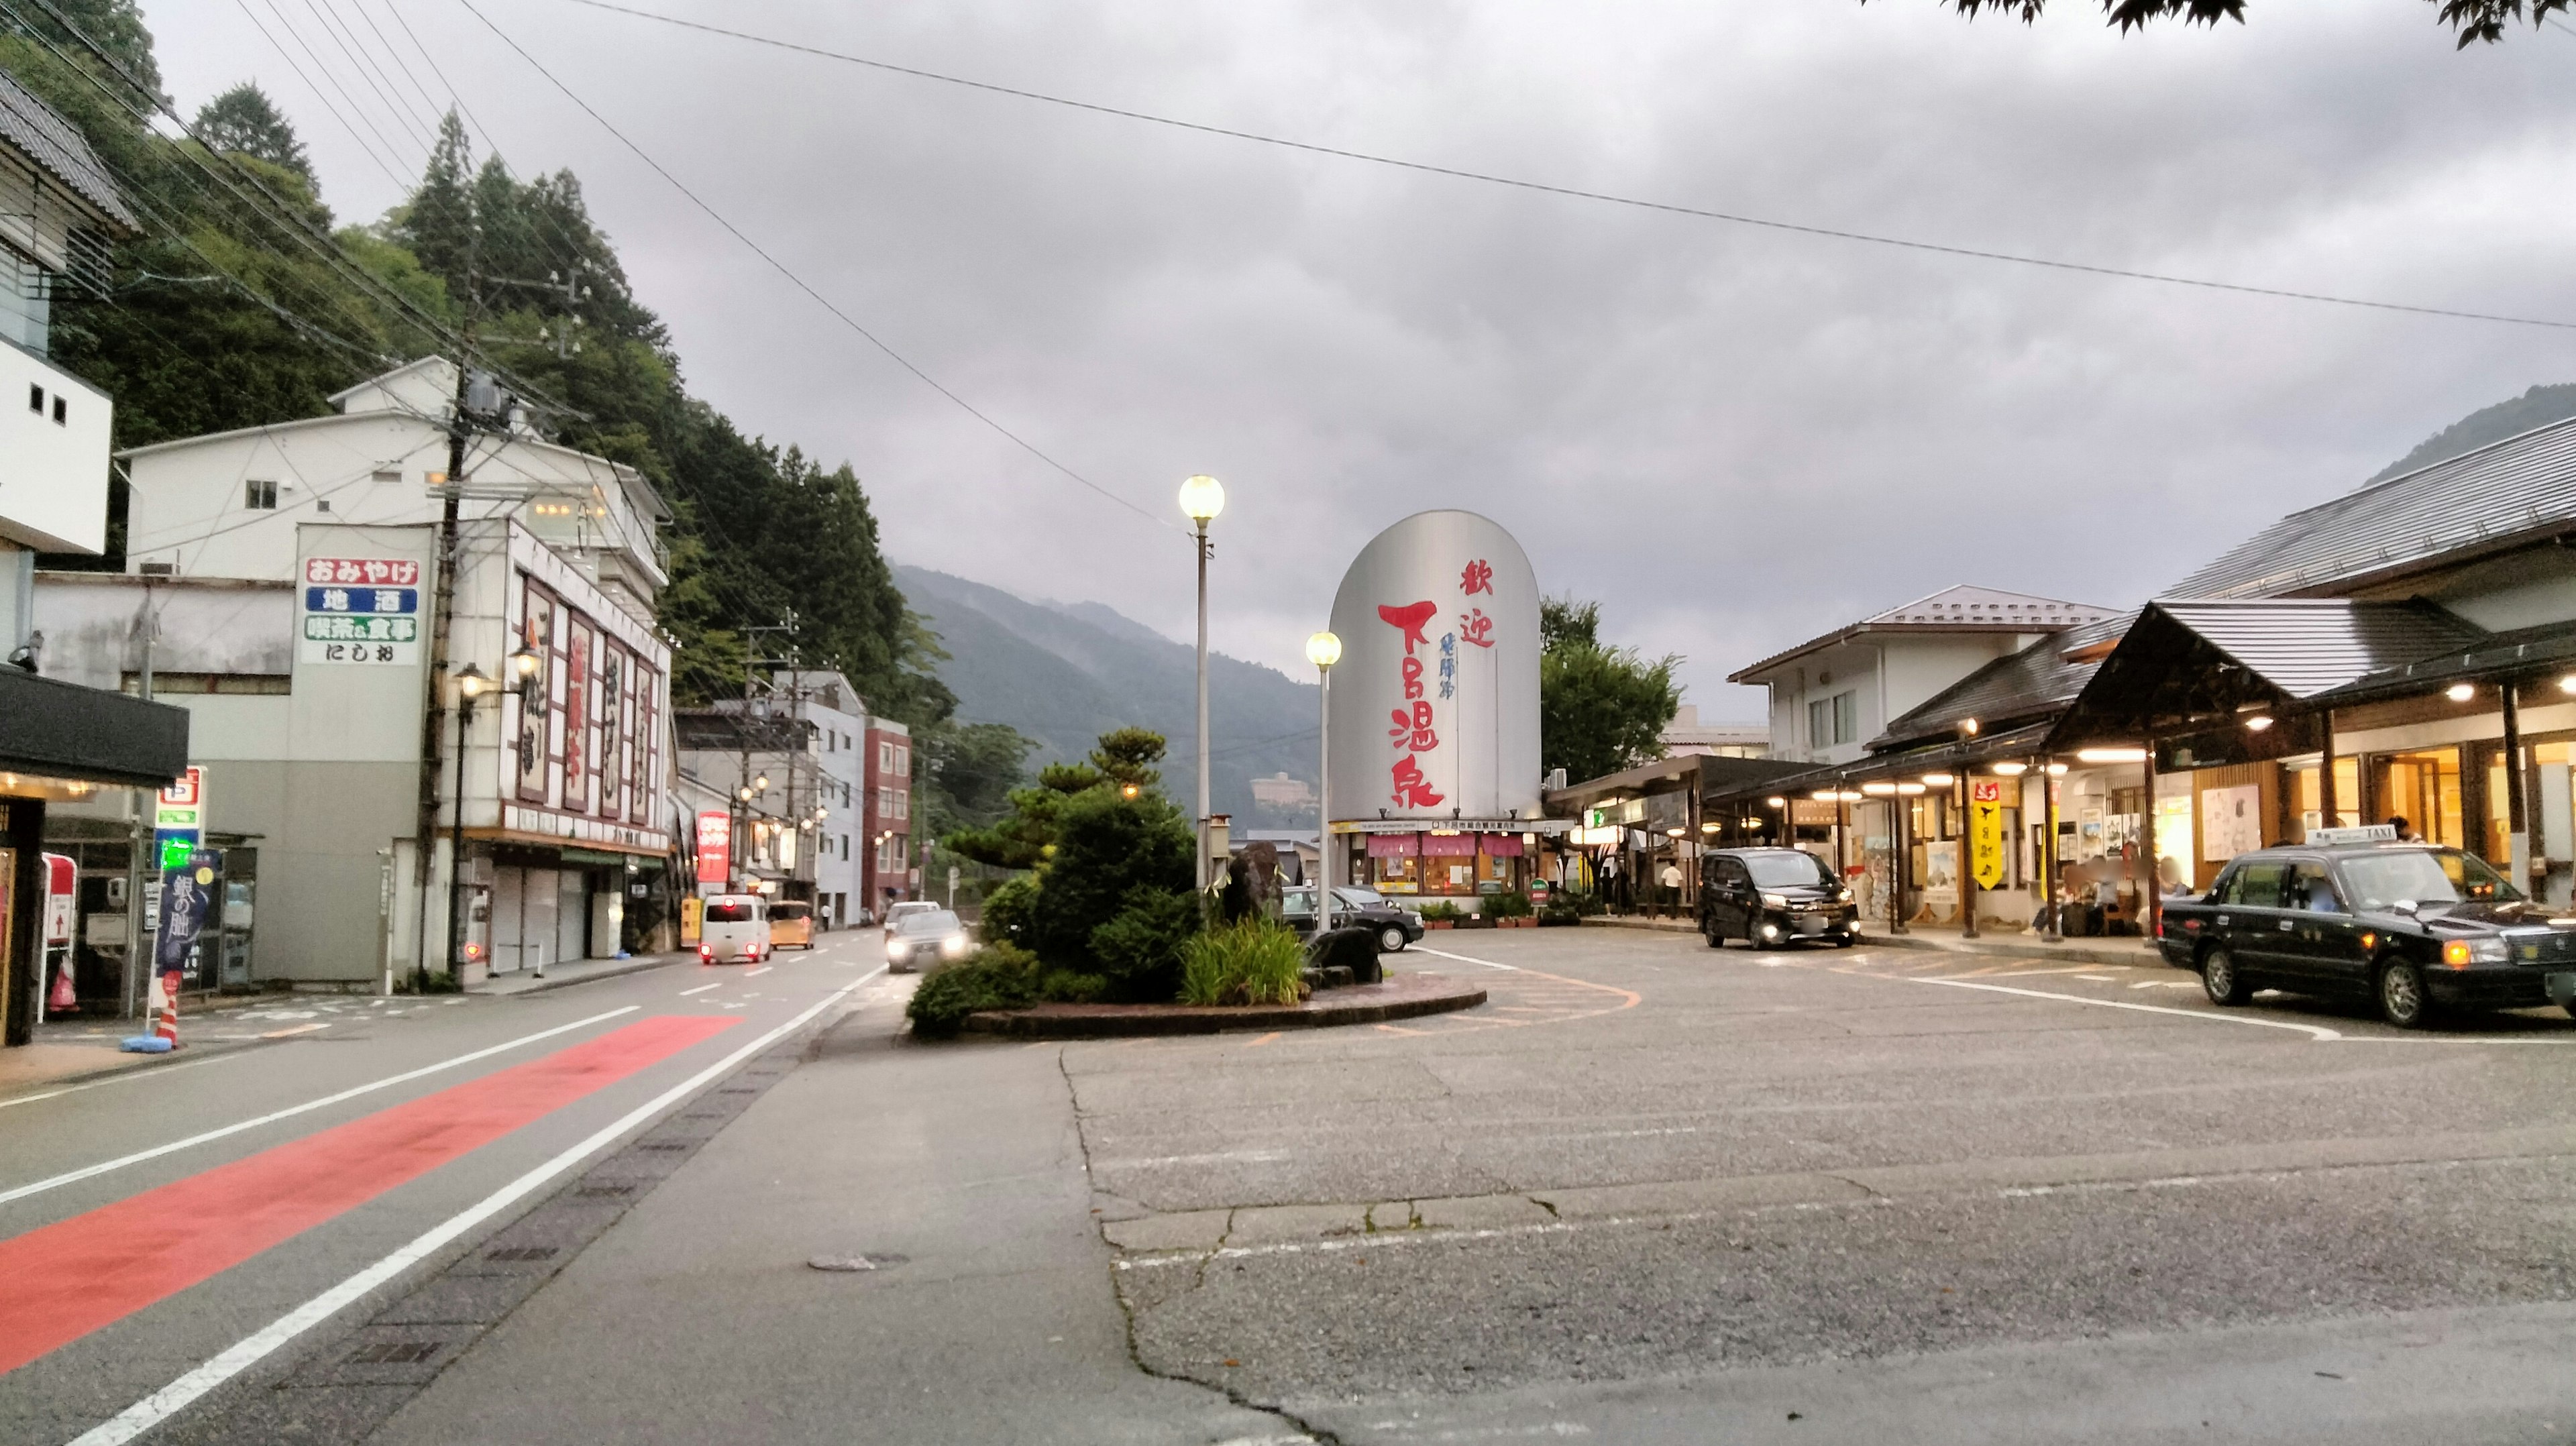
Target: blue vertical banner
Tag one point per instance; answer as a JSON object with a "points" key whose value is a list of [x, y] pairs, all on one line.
{"points": [[187, 897]]}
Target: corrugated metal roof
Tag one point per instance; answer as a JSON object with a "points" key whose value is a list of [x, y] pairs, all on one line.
{"points": [[57, 145], [2519, 485], [2305, 647], [2036, 682]]}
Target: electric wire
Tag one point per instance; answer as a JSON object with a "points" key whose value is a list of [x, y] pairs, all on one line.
{"points": [[319, 94], [274, 208], [332, 75], [802, 285], [1581, 194], [345, 37]]}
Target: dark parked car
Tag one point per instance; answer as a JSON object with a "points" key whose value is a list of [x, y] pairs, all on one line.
{"points": [[1773, 896], [1396, 927], [2412, 928]]}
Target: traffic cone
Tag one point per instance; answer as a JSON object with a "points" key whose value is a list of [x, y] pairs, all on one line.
{"points": [[63, 1000]]}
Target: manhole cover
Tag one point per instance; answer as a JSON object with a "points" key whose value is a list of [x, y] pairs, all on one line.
{"points": [[393, 1353], [848, 1263]]}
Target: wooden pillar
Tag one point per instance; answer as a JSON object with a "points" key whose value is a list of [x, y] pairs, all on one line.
{"points": [[2326, 809], [2517, 824], [2151, 879], [1896, 852], [2048, 848], [1966, 828]]}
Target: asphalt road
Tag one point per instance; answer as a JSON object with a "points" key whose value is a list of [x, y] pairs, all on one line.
{"points": [[1650, 1192]]}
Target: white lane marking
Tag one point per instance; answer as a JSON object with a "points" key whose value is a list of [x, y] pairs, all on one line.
{"points": [[701, 989], [2098, 978], [2313, 1031], [138, 1157], [162, 1404], [1462, 958], [756, 973], [1251, 1155], [139, 1072], [2164, 984]]}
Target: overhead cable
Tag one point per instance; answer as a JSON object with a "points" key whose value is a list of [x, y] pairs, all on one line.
{"points": [[1578, 193], [801, 284]]}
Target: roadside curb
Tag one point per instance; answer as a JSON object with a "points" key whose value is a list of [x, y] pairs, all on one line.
{"points": [[1630, 921], [1405, 997], [2018, 949], [618, 970]]}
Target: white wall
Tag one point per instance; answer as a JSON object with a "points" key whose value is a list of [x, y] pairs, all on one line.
{"points": [[53, 475]]}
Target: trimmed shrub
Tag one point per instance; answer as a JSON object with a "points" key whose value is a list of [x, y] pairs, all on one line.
{"points": [[1063, 986], [1139, 950], [1253, 961], [1514, 905], [1008, 910], [1112, 854], [995, 977], [1440, 911]]}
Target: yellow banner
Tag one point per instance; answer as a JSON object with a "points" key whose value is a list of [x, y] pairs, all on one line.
{"points": [[1986, 832]]}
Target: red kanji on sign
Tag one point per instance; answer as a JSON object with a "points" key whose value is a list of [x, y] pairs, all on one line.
{"points": [[1412, 678], [1412, 790], [1411, 619], [1479, 577], [1414, 731], [1476, 628]]}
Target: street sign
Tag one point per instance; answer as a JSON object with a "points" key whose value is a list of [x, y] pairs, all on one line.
{"points": [[179, 819], [360, 610], [187, 893], [715, 847], [1986, 832]]}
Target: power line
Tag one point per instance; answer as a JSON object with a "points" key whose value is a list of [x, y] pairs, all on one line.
{"points": [[800, 283], [277, 211], [1575, 192], [297, 67], [345, 36]]}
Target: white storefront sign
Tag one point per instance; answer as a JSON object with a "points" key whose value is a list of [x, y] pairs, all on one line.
{"points": [[1435, 700], [359, 610]]}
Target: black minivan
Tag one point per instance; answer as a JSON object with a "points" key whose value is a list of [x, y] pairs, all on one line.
{"points": [[1773, 896]]}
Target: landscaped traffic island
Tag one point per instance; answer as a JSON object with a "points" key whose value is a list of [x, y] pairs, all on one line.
{"points": [[1400, 996]]}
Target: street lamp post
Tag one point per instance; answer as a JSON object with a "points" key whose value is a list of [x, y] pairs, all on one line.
{"points": [[470, 685], [1324, 650], [1202, 498]]}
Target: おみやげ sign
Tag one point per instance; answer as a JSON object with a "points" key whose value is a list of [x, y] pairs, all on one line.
{"points": [[359, 610]]}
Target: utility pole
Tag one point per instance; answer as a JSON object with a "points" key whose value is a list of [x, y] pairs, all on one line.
{"points": [[571, 290], [140, 831], [433, 722]]}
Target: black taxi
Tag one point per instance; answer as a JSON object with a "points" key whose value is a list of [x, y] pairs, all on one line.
{"points": [[2413, 928]]}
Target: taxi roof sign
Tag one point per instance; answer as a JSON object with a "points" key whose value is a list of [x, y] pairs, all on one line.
{"points": [[2366, 833]]}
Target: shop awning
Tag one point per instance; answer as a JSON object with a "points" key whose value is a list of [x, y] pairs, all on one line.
{"points": [[1449, 845], [63, 730], [1394, 845]]}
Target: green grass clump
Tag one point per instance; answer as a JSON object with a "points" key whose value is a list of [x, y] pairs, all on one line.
{"points": [[1255, 961], [1440, 911]]}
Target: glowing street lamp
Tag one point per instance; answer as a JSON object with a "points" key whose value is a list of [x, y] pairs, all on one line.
{"points": [[1202, 498], [1324, 650]]}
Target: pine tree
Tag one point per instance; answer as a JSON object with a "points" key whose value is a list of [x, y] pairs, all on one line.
{"points": [[438, 225], [243, 120]]}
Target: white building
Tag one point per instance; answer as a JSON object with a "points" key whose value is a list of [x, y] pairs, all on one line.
{"points": [[1686, 735], [801, 746], [1832, 694], [287, 578]]}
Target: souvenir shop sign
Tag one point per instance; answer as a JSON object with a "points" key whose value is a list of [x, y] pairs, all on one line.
{"points": [[1986, 832], [359, 611]]}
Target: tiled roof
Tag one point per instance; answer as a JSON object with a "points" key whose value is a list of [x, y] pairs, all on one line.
{"points": [[2036, 682], [2521, 485], [1953, 609], [55, 144]]}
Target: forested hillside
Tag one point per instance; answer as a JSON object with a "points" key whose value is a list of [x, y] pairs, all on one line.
{"points": [[246, 301]]}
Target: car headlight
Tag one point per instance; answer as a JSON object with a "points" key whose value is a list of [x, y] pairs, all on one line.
{"points": [[2461, 953], [953, 946], [1842, 896], [897, 948], [1775, 901]]}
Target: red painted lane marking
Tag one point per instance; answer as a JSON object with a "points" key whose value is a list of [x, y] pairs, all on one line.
{"points": [[62, 1281]]}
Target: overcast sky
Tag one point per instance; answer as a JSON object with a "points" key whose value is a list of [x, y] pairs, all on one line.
{"points": [[1733, 438]]}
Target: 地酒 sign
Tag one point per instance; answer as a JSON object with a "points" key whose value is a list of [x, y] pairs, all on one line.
{"points": [[359, 610], [1986, 832], [179, 818]]}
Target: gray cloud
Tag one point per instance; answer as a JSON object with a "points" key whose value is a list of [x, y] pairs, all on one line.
{"points": [[1732, 438]]}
